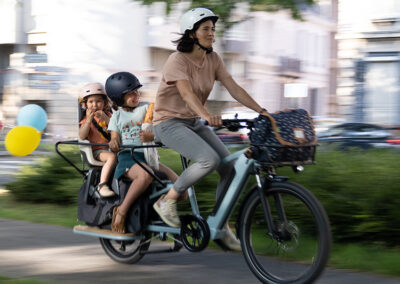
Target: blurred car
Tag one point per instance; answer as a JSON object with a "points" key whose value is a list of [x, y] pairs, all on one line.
{"points": [[364, 135], [233, 138]]}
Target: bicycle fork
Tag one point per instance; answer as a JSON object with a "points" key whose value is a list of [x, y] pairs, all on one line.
{"points": [[276, 230]]}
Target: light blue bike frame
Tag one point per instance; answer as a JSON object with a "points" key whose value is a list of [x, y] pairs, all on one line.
{"points": [[244, 167]]}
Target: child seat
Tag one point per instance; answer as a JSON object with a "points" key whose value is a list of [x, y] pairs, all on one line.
{"points": [[87, 155]]}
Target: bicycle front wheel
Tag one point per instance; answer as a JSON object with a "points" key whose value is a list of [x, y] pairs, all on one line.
{"points": [[296, 248]]}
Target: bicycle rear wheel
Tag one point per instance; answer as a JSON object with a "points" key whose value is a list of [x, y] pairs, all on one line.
{"points": [[128, 252], [298, 248]]}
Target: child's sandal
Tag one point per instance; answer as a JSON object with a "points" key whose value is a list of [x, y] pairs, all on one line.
{"points": [[120, 227], [104, 190]]}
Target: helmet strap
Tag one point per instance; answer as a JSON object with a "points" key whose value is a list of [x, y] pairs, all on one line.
{"points": [[129, 108], [207, 50]]}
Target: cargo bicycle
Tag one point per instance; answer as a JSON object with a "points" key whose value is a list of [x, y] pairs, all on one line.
{"points": [[283, 229]]}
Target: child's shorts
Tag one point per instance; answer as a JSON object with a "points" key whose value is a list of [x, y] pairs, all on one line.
{"points": [[125, 162], [97, 152]]}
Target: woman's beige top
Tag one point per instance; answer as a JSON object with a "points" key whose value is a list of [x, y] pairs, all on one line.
{"points": [[169, 103]]}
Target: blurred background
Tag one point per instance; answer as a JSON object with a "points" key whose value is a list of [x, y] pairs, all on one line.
{"points": [[340, 61], [50, 48]]}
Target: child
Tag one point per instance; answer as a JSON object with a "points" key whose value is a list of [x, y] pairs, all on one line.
{"points": [[93, 127], [126, 128]]}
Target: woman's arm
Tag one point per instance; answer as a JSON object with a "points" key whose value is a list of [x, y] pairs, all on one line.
{"points": [[239, 94], [187, 94]]}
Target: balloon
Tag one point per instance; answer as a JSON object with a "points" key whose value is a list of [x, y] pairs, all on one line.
{"points": [[22, 140], [32, 115]]}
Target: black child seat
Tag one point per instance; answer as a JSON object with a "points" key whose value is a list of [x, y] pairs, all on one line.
{"points": [[97, 211]]}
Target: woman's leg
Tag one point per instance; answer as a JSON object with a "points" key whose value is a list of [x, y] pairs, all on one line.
{"points": [[179, 136], [225, 171]]}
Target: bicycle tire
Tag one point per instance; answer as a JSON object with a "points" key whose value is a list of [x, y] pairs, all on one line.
{"points": [[117, 250], [275, 261]]}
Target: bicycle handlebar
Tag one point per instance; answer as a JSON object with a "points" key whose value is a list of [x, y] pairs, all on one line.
{"points": [[235, 124]]}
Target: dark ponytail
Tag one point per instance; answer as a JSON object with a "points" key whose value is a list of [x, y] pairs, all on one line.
{"points": [[185, 43]]}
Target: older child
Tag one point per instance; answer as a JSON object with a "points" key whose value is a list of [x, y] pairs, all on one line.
{"points": [[126, 128], [93, 127]]}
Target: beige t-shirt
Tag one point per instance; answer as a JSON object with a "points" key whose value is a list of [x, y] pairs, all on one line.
{"points": [[169, 103]]}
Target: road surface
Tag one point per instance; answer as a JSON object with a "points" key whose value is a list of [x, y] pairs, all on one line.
{"points": [[54, 254]]}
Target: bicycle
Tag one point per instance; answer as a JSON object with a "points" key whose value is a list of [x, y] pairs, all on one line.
{"points": [[283, 229]]}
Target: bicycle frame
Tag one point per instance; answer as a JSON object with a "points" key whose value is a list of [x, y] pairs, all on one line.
{"points": [[243, 167]]}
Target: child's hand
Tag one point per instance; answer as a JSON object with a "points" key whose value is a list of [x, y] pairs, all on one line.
{"points": [[114, 144], [89, 115], [146, 136], [101, 115]]}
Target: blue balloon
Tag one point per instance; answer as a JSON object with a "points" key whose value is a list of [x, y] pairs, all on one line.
{"points": [[32, 115]]}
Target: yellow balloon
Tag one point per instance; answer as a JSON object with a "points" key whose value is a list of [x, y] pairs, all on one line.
{"points": [[22, 140]]}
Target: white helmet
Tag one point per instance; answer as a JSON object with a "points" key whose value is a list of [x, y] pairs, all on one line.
{"points": [[193, 16], [92, 89]]}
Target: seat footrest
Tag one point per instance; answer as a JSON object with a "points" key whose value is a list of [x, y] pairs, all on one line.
{"points": [[106, 234]]}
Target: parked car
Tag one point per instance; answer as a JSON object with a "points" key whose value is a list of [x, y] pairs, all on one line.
{"points": [[364, 135]]}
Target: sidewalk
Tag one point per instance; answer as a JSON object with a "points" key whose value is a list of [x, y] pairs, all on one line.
{"points": [[54, 254]]}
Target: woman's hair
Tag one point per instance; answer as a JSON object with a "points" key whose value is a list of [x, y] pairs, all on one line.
{"points": [[186, 43]]}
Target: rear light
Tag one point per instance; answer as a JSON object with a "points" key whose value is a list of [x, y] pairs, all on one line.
{"points": [[393, 141]]}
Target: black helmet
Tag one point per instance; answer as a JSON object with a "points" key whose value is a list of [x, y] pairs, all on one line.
{"points": [[119, 84]]}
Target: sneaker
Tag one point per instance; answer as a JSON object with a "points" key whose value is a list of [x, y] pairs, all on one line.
{"points": [[166, 209], [105, 191], [230, 240]]}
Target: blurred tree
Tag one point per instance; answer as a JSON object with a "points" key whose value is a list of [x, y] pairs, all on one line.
{"points": [[225, 8]]}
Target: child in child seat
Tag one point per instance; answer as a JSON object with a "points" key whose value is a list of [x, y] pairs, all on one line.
{"points": [[93, 127]]}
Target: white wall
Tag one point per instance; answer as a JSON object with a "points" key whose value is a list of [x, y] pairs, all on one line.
{"points": [[97, 36]]}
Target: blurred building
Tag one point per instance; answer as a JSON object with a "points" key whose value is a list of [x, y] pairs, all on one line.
{"points": [[50, 48], [369, 61]]}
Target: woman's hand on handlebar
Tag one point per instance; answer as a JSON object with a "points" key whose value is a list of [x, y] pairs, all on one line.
{"points": [[213, 120]]}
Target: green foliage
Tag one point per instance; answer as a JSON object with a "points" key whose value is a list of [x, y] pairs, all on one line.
{"points": [[360, 192], [6, 280], [50, 181]]}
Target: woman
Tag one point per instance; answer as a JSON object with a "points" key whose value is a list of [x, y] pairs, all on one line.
{"points": [[188, 78]]}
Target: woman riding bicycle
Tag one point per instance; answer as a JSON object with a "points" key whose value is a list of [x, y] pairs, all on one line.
{"points": [[188, 78]]}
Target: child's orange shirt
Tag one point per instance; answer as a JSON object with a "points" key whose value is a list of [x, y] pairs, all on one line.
{"points": [[95, 135]]}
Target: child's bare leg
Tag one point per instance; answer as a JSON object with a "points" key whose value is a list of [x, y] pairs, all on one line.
{"points": [[172, 176], [141, 181], [110, 159], [170, 173]]}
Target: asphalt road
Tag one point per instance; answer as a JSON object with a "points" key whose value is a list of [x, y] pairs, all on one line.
{"points": [[54, 254]]}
